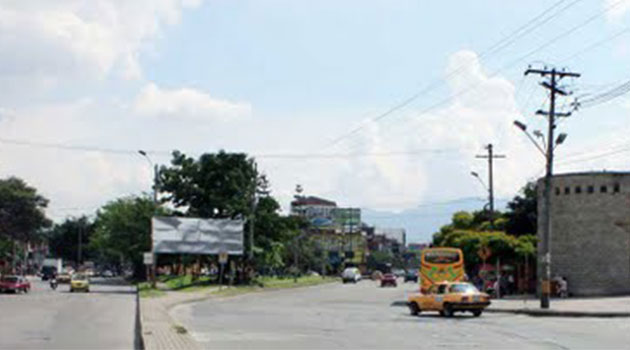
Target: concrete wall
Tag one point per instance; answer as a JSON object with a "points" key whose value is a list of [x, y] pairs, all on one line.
{"points": [[590, 232]]}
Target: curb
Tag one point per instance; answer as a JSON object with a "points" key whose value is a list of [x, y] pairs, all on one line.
{"points": [[557, 313], [138, 340], [544, 313]]}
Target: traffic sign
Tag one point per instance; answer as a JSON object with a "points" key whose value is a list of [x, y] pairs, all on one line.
{"points": [[147, 258], [484, 252], [223, 257]]}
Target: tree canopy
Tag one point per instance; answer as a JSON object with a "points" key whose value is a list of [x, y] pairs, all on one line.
{"points": [[217, 185], [63, 239], [21, 210], [123, 231]]}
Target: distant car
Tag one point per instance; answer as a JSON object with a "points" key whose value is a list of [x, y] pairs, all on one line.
{"points": [[411, 275], [377, 275], [63, 277], [398, 272], [14, 284], [448, 298], [107, 273], [79, 282], [351, 274], [388, 279]]}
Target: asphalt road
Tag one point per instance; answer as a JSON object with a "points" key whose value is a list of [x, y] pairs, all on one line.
{"points": [[362, 316], [46, 319]]}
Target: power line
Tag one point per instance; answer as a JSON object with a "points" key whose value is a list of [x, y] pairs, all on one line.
{"points": [[500, 45], [596, 156], [522, 58], [84, 148]]}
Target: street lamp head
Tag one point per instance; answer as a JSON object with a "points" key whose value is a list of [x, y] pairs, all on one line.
{"points": [[474, 174], [561, 138], [520, 125], [142, 152]]}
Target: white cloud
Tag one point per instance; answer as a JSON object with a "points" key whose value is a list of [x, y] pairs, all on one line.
{"points": [[186, 103], [461, 129], [75, 180], [55, 40], [617, 9]]}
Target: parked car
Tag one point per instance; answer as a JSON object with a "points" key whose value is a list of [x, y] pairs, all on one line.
{"points": [[398, 272], [78, 282], [448, 298], [411, 275], [14, 284], [351, 274], [388, 279]]}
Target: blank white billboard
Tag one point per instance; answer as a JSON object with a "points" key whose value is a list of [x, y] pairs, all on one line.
{"points": [[177, 235]]}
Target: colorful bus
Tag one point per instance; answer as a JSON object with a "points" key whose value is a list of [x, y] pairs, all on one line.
{"points": [[440, 264]]}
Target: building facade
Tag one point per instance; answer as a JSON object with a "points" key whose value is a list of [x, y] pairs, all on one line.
{"points": [[590, 231]]}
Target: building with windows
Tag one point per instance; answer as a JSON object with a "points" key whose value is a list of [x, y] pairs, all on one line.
{"points": [[590, 231]]}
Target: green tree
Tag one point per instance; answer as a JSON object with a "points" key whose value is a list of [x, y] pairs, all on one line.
{"points": [[123, 231], [522, 212], [64, 239], [217, 185], [21, 210], [463, 220], [22, 218]]}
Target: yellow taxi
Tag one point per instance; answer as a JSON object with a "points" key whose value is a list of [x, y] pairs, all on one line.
{"points": [[78, 282], [448, 298]]}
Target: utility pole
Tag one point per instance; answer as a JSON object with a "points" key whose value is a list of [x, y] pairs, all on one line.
{"points": [[80, 229], [491, 156], [252, 216], [552, 85]]}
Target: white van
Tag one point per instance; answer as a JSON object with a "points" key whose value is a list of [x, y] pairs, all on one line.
{"points": [[351, 274]]}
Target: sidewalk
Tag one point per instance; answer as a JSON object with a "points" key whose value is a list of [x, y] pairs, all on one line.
{"points": [[159, 330], [569, 307]]}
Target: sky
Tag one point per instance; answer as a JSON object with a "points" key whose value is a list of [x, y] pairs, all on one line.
{"points": [[381, 105]]}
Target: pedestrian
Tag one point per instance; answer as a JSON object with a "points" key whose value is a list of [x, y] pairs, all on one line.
{"points": [[563, 287], [510, 284], [496, 287]]}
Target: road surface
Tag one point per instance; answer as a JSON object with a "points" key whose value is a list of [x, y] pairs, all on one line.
{"points": [[362, 316], [47, 319]]}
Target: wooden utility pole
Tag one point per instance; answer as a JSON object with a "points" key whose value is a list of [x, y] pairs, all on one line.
{"points": [[491, 156], [552, 86]]}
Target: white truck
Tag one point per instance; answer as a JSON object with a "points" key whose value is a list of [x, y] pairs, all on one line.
{"points": [[51, 267]]}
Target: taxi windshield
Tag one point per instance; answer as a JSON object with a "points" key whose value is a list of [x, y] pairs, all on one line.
{"points": [[79, 277], [463, 288]]}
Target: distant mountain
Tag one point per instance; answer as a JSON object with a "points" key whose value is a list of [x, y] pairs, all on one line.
{"points": [[422, 222]]}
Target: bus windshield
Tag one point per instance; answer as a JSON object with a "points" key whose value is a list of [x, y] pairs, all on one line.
{"points": [[441, 257]]}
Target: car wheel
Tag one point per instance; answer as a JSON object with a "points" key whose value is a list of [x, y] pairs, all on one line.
{"points": [[477, 313], [25, 290], [71, 290], [414, 309], [448, 310]]}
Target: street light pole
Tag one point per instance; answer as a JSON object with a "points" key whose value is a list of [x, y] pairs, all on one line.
{"points": [[555, 76], [151, 269]]}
